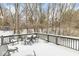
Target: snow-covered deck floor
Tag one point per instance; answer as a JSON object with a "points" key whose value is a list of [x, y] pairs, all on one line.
{"points": [[43, 48]]}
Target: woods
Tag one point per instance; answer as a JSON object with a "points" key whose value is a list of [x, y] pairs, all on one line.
{"points": [[56, 18]]}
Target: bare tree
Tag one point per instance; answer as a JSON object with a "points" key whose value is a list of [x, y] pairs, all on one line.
{"points": [[1, 15], [17, 18]]}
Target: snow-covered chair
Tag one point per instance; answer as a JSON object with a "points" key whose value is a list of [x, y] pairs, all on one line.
{"points": [[29, 36], [27, 40], [13, 41], [34, 38], [4, 50], [12, 49], [30, 39]]}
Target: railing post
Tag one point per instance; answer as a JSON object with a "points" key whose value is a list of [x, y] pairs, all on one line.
{"points": [[2, 40], [57, 41], [78, 45], [9, 39], [48, 38], [36, 35]]}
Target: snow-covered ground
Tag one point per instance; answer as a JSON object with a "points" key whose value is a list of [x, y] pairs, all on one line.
{"points": [[43, 48], [4, 33]]}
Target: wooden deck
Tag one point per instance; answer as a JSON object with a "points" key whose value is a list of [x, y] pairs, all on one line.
{"points": [[55, 42], [43, 48]]}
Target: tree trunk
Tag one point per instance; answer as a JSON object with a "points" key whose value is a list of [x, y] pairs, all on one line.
{"points": [[17, 18]]}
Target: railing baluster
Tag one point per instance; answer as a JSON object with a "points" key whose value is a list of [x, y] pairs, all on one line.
{"points": [[2, 40], [68, 42], [9, 39], [48, 38], [65, 42], [78, 45], [71, 43], [62, 41], [56, 40]]}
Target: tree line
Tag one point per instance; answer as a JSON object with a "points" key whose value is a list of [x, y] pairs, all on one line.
{"points": [[57, 18]]}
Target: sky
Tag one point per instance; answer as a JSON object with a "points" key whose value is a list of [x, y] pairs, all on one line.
{"points": [[44, 6], [39, 1]]}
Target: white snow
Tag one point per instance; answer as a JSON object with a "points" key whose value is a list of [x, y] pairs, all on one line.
{"points": [[23, 50], [29, 36], [4, 33], [34, 35], [43, 48]]}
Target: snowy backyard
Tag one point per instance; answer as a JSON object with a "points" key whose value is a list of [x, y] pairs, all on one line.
{"points": [[39, 29]]}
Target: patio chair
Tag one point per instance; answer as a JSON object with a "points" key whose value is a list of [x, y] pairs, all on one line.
{"points": [[34, 38], [13, 49], [4, 50]]}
